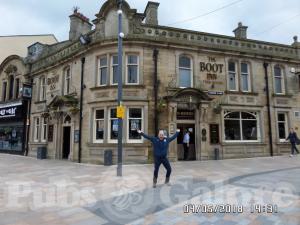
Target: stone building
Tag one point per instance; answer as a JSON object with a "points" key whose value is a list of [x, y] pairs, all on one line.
{"points": [[237, 96]]}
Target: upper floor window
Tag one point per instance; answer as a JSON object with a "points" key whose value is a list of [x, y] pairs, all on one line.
{"points": [[67, 80], [114, 70], [99, 126], [132, 72], [103, 71], [279, 80], [11, 87], [4, 87], [232, 77], [245, 77], [17, 87], [42, 88], [185, 72]]}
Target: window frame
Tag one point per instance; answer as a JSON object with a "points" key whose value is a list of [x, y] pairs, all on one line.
{"points": [[16, 88], [236, 76], [67, 80], [44, 129], [42, 88], [286, 117], [94, 125], [137, 65], [36, 129], [248, 77], [100, 69], [112, 65], [127, 124], [4, 91], [186, 68], [109, 126], [282, 79], [258, 126]]}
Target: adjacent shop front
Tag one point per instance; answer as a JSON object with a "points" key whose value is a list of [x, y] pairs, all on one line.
{"points": [[12, 127]]}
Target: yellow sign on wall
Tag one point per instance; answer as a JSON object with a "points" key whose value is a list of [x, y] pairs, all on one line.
{"points": [[121, 112]]}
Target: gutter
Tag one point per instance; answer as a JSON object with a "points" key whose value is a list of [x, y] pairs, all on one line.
{"points": [[80, 111], [155, 86]]}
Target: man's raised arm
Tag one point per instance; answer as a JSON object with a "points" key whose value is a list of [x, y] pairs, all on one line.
{"points": [[174, 136], [150, 138]]}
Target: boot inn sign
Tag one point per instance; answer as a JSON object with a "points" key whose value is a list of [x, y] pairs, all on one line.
{"points": [[236, 96]]}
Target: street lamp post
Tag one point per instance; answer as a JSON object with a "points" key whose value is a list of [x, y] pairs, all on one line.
{"points": [[120, 118]]}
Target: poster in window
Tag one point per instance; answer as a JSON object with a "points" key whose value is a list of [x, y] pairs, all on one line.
{"points": [[115, 125], [50, 133], [100, 125], [134, 124]]}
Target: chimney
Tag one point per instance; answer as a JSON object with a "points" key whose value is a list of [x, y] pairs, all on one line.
{"points": [[151, 13], [79, 24], [241, 31]]}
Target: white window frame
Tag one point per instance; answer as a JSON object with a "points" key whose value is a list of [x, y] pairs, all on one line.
{"points": [[94, 126], [235, 76], [248, 77], [36, 129], [109, 126], [112, 65], [127, 123], [241, 126], [100, 69], [186, 68], [132, 64], [285, 125], [42, 92], [281, 79], [67, 80], [44, 126]]}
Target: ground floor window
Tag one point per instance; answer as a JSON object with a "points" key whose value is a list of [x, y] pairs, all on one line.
{"points": [[282, 126], [113, 121], [44, 129], [11, 138], [36, 129], [134, 121], [241, 126], [99, 126]]}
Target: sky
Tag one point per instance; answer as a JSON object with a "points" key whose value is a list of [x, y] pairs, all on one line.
{"points": [[267, 20]]}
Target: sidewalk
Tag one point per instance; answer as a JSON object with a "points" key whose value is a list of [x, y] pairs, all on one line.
{"points": [[60, 192]]}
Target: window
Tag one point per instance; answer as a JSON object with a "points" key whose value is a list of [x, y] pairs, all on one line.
{"points": [[113, 125], [42, 89], [282, 126], [279, 80], [36, 129], [17, 87], [99, 126], [11, 137], [134, 123], [185, 72], [4, 86], [132, 69], [11, 87], [245, 77], [241, 126], [103, 71], [232, 77], [114, 70], [67, 83], [44, 130]]}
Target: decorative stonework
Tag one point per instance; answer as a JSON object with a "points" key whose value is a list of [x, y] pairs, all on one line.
{"points": [[11, 69]]}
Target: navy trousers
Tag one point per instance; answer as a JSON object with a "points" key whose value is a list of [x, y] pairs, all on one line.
{"points": [[294, 148], [162, 160]]}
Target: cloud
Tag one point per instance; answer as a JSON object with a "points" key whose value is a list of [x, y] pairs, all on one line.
{"points": [[38, 17]]}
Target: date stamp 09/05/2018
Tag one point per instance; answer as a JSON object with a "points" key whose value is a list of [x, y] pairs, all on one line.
{"points": [[228, 208]]}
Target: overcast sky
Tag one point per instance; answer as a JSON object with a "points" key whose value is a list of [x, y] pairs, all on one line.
{"points": [[268, 20]]}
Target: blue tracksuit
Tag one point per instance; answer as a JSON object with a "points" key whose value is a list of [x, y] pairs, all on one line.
{"points": [[160, 150], [293, 139]]}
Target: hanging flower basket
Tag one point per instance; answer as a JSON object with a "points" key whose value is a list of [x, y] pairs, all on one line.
{"points": [[217, 109], [161, 105], [74, 109]]}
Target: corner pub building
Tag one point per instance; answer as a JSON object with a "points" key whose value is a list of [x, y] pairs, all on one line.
{"points": [[234, 94]]}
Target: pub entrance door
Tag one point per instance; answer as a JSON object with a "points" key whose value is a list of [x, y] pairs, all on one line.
{"points": [[191, 154]]}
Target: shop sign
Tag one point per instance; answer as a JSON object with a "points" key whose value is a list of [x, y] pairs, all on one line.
{"points": [[212, 69], [11, 111], [215, 92], [51, 82]]}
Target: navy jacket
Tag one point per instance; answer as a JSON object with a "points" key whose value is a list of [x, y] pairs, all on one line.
{"points": [[293, 137], [160, 148]]}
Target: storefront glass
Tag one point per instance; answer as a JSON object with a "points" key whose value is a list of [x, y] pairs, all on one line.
{"points": [[11, 138]]}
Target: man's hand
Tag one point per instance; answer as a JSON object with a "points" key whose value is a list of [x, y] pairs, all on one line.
{"points": [[139, 131], [178, 130]]}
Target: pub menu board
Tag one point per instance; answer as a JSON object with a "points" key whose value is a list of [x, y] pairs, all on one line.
{"points": [[214, 133], [50, 133]]}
